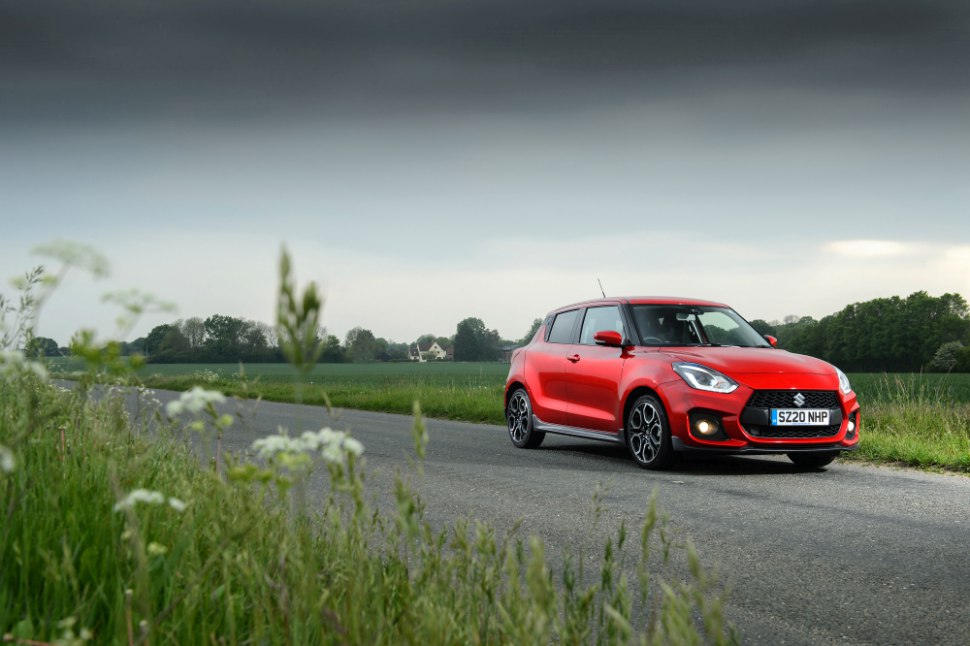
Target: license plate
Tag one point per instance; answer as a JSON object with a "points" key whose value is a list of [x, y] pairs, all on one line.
{"points": [[799, 417]]}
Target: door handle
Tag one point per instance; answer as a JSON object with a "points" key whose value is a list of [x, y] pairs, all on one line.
{"points": [[574, 358]]}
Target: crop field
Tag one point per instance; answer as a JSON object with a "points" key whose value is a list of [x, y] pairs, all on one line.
{"points": [[913, 419]]}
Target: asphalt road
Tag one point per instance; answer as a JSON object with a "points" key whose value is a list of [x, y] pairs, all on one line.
{"points": [[852, 555]]}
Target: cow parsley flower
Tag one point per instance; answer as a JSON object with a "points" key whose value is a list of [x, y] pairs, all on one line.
{"points": [[72, 254], [7, 461], [157, 549], [194, 401], [148, 497], [13, 362], [331, 445]]}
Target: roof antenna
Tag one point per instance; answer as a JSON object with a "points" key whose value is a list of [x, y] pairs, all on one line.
{"points": [[601, 287]]}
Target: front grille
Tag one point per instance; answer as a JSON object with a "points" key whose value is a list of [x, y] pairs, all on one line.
{"points": [[786, 399], [756, 415], [792, 432]]}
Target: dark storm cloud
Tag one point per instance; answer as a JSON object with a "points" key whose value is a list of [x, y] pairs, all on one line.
{"points": [[136, 58]]}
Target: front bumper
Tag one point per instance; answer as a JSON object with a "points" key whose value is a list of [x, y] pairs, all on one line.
{"points": [[741, 429]]}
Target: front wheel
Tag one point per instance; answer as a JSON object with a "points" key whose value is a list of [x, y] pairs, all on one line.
{"points": [[518, 414], [648, 434], [813, 460]]}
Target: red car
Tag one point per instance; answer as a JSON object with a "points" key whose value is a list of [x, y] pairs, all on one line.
{"points": [[669, 375]]}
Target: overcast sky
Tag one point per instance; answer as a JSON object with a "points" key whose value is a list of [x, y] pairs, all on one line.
{"points": [[429, 161]]}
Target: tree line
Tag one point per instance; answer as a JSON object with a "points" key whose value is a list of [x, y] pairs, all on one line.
{"points": [[919, 332], [916, 333], [227, 339]]}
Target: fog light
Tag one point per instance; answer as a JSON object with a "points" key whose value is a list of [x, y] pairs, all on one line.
{"points": [[851, 426], [707, 426]]}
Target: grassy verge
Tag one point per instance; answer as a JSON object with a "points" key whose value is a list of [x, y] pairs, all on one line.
{"points": [[915, 420], [110, 538]]}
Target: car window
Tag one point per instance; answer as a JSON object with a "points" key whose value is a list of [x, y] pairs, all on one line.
{"points": [[562, 327], [722, 329], [693, 325], [598, 319]]}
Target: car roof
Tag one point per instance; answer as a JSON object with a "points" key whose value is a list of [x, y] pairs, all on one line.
{"points": [[641, 300]]}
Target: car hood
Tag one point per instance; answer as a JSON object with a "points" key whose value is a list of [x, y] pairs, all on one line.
{"points": [[754, 365]]}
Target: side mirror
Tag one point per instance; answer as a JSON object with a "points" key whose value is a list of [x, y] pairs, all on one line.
{"points": [[610, 338], [772, 340]]}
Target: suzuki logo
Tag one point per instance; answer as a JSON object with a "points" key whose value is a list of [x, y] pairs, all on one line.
{"points": [[799, 400]]}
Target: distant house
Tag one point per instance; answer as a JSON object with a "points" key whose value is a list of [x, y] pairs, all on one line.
{"points": [[432, 351]]}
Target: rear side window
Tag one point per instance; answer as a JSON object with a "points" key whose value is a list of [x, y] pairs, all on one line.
{"points": [[562, 327]]}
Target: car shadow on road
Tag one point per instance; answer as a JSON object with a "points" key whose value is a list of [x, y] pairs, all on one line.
{"points": [[696, 464]]}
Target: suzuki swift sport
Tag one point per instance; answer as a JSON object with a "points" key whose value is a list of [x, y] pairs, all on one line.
{"points": [[664, 376]]}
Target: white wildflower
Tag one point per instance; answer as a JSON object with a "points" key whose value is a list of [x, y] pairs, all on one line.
{"points": [[138, 302], [353, 447], [137, 496], [7, 461], [13, 362], [269, 447], [72, 254], [332, 445], [194, 401], [157, 549], [148, 497]]}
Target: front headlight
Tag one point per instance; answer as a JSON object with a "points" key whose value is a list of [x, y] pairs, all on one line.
{"points": [[844, 384], [704, 378]]}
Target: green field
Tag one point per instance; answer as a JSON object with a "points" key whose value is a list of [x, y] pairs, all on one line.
{"points": [[913, 419]]}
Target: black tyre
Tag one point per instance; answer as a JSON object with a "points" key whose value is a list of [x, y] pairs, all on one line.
{"points": [[648, 434], [813, 460], [518, 415]]}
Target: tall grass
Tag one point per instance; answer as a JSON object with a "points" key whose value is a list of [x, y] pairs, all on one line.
{"points": [[915, 421], [113, 531]]}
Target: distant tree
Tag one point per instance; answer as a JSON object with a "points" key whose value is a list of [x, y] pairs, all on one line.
{"points": [[332, 351], [224, 338], [381, 349], [137, 346], [425, 340], [361, 345], [166, 344], [491, 345], [763, 327], [536, 323], [194, 331], [397, 351], [41, 346], [269, 333], [475, 342], [946, 357], [253, 345], [153, 342], [467, 336]]}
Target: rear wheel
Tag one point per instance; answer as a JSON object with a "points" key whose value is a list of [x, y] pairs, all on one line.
{"points": [[813, 460], [518, 414], [648, 434]]}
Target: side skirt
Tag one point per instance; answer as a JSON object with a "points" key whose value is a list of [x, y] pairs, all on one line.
{"points": [[558, 429]]}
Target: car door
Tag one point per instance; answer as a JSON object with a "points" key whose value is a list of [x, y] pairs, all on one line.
{"points": [[593, 373], [546, 368]]}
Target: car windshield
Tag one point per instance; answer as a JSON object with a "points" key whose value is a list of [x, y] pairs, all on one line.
{"points": [[690, 325]]}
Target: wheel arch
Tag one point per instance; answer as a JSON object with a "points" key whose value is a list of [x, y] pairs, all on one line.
{"points": [[634, 395], [510, 388]]}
